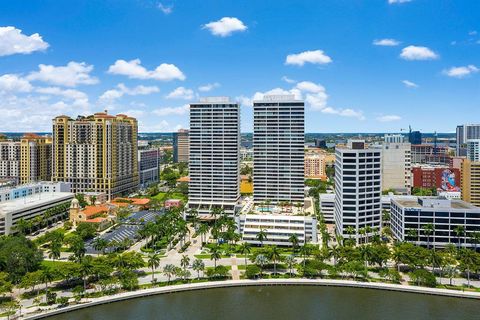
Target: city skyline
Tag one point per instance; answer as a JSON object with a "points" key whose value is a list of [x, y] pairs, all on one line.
{"points": [[375, 67]]}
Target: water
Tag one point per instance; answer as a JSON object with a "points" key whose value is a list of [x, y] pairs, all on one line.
{"points": [[278, 302]]}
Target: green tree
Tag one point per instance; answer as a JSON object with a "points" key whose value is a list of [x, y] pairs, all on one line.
{"points": [[293, 239], [169, 271], [274, 255], [261, 236], [215, 255], [428, 230], [459, 232], [153, 262], [290, 261], [245, 249], [261, 261], [18, 256], [185, 262], [198, 266]]}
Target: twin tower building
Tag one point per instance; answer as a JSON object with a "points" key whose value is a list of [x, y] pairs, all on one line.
{"points": [[214, 160]]}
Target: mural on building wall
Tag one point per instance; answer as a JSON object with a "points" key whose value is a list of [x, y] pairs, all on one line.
{"points": [[448, 181]]}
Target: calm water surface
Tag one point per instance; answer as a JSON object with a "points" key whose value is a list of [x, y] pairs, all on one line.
{"points": [[292, 302]]}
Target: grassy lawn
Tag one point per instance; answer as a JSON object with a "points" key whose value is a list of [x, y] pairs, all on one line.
{"points": [[207, 256], [162, 196]]}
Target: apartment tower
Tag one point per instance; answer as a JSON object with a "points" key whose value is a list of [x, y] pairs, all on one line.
{"points": [[214, 163], [278, 144], [396, 164], [181, 146], [35, 158], [97, 153]]}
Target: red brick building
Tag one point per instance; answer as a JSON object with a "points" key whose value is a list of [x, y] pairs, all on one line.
{"points": [[444, 178]]}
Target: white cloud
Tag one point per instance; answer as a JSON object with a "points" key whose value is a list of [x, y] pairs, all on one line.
{"points": [[288, 80], [389, 118], [164, 8], [461, 72], [12, 41], [133, 69], [314, 57], [225, 26], [122, 90], [409, 84], [67, 93], [473, 33], [418, 53], [14, 83], [398, 1], [172, 110], [386, 42], [310, 87], [209, 87], [181, 93], [71, 75], [350, 113]]}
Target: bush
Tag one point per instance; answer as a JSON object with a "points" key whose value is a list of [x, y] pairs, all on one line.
{"points": [[252, 271], [62, 301], [423, 277]]}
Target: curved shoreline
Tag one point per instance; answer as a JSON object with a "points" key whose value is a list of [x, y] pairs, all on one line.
{"points": [[265, 282]]}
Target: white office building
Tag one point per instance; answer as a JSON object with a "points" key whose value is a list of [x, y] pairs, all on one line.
{"points": [[214, 165], [278, 228], [327, 206], [473, 150], [278, 143], [358, 189], [31, 200], [448, 218], [10, 160], [396, 164]]}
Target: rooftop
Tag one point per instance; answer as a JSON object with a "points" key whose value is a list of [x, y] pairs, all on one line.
{"points": [[33, 201], [435, 203]]}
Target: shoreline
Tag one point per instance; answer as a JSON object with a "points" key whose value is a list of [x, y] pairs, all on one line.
{"points": [[246, 283]]}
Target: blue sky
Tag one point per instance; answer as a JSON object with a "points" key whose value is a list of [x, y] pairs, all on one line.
{"points": [[361, 66]]}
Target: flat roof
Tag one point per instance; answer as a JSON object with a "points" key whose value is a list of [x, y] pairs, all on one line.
{"points": [[33, 201], [449, 204]]}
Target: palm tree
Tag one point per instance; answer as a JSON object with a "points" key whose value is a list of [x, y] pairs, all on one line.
{"points": [[412, 233], [428, 230], [475, 238], [153, 262], [467, 261], [185, 262], [198, 266], [46, 277], [293, 239], [215, 255], [55, 250], [22, 226], [460, 232], [261, 260], [245, 249], [202, 231], [305, 251], [290, 260], [100, 244], [261, 236], [169, 270], [362, 232], [86, 268], [274, 255]]}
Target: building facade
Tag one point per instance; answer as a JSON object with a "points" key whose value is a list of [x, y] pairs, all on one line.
{"points": [[415, 137], [442, 178], [214, 164], [453, 221], [466, 132], [10, 160], [315, 166], [97, 153], [35, 158], [358, 190], [278, 144], [181, 146], [327, 206], [471, 182], [473, 150], [148, 166], [278, 229], [396, 164], [29, 201]]}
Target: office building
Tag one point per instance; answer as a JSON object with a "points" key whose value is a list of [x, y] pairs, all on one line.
{"points": [[278, 228], [35, 158], [426, 153], [148, 166], [442, 178], [321, 143], [466, 132], [181, 146], [358, 190], [31, 200], [97, 153], [278, 144], [471, 182], [214, 164], [10, 161], [410, 217], [396, 164], [415, 137], [327, 206], [473, 150], [315, 166]]}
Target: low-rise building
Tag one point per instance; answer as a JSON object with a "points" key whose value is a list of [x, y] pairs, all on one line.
{"points": [[99, 215], [453, 221], [29, 201], [327, 206], [278, 228], [315, 166], [440, 177]]}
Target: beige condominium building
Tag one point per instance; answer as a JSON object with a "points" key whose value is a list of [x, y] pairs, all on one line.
{"points": [[10, 160], [471, 182], [96, 153], [181, 145], [315, 166], [35, 158], [396, 164]]}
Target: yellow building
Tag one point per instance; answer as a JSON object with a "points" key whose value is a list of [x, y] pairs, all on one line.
{"points": [[471, 182], [315, 166], [97, 153], [35, 158], [246, 184]]}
